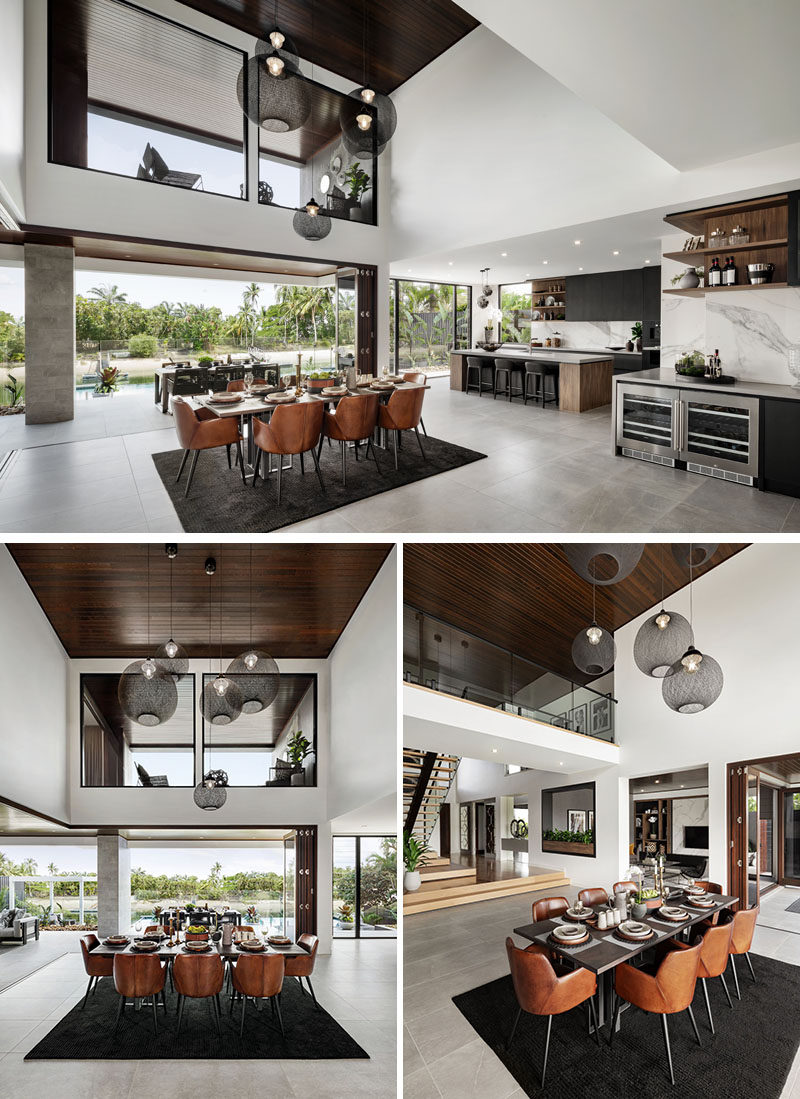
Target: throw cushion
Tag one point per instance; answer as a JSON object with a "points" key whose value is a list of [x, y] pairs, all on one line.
{"points": [[11, 915], [3, 915]]}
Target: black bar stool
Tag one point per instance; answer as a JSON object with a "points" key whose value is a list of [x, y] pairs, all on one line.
{"points": [[507, 368], [536, 375], [475, 373]]}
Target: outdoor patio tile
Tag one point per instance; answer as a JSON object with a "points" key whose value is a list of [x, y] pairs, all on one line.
{"points": [[420, 1085]]}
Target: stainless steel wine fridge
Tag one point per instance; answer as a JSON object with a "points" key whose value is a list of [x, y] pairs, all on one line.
{"points": [[713, 434]]}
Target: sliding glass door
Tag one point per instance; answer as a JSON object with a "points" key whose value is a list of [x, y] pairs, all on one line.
{"points": [[365, 887], [791, 837]]}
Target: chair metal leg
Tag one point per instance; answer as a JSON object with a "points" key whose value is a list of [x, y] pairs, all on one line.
{"points": [[280, 471], [750, 966], [735, 977], [277, 1000], [228, 451], [371, 450], [694, 1024], [215, 1013], [192, 468], [316, 467], [155, 1014], [164, 1000], [422, 425], [241, 1026], [513, 1030], [727, 994], [344, 463], [394, 444], [614, 1017], [180, 1012], [88, 990], [120, 1010], [302, 465], [546, 1047], [183, 464], [240, 459], [422, 452], [257, 466], [311, 988], [708, 1004], [593, 1014], [665, 1026]]}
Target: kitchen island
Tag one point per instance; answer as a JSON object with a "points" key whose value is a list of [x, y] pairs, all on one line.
{"points": [[584, 381]]}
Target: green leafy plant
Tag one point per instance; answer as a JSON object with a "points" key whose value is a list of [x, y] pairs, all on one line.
{"points": [[357, 181], [415, 852], [646, 895], [143, 346], [636, 330], [319, 375], [346, 913], [14, 389], [108, 380], [196, 929], [204, 360], [298, 748], [558, 835]]}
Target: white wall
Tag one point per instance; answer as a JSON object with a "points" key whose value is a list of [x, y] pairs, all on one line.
{"points": [[12, 194], [363, 667], [33, 689]]}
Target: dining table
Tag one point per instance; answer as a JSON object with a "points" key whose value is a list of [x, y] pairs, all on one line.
{"points": [[260, 405], [605, 951], [167, 953]]}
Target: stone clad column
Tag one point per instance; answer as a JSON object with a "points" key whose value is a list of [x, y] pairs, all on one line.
{"points": [[113, 885], [49, 333]]}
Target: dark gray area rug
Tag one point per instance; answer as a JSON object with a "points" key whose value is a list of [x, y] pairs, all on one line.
{"points": [[218, 500], [89, 1035], [751, 1053], [794, 906]]}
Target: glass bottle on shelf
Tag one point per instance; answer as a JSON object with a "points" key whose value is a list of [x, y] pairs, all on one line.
{"points": [[715, 273]]}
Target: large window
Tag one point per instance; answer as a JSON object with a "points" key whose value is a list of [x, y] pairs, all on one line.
{"points": [[116, 751], [256, 749], [365, 887], [428, 320], [515, 303], [138, 95]]}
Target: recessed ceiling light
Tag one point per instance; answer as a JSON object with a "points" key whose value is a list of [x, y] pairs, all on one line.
{"points": [[647, 261], [504, 254], [450, 263], [615, 253], [494, 750], [657, 781], [681, 786], [580, 268], [576, 242], [561, 763], [544, 261]]}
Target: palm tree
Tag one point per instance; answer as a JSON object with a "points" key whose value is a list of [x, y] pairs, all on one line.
{"points": [[108, 293], [313, 300]]}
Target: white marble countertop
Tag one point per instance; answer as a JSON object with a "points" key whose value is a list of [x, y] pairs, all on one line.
{"points": [[745, 387]]}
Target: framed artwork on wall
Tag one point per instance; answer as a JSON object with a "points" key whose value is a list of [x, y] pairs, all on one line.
{"points": [[601, 716], [576, 820], [577, 718]]}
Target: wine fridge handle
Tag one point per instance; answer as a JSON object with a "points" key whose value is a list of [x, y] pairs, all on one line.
{"points": [[677, 424]]}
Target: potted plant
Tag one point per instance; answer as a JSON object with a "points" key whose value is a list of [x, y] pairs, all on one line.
{"points": [[564, 842], [346, 917], [318, 379], [488, 331], [297, 749], [415, 854], [106, 381], [358, 184], [636, 332]]}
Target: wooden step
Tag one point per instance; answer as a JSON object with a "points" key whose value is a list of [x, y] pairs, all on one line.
{"points": [[435, 860], [431, 899], [445, 873]]}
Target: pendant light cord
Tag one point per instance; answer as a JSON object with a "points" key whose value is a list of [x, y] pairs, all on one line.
{"points": [[691, 590], [251, 595], [594, 603], [148, 600], [171, 635], [220, 610], [364, 40], [662, 575]]}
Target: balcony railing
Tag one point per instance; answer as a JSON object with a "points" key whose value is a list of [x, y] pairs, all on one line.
{"points": [[455, 662]]}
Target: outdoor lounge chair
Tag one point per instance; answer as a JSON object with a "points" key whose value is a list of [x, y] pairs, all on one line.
{"points": [[147, 779], [154, 169]]}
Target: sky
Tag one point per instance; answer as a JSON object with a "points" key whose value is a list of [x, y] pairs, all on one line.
{"points": [[155, 860]]}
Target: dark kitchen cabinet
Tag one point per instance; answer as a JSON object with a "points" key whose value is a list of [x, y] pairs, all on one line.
{"points": [[780, 446], [612, 296], [575, 287], [632, 295], [607, 296], [651, 293]]}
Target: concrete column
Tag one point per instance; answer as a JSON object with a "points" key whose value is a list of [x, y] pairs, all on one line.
{"points": [[113, 885], [49, 333]]}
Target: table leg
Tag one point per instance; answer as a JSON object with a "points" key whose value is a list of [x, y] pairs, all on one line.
{"points": [[156, 388]]}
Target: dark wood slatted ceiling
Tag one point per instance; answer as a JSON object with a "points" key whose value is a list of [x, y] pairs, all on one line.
{"points": [[403, 37], [787, 768], [526, 597], [95, 596]]}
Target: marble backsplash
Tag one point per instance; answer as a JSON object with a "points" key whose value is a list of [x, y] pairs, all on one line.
{"points": [[688, 811], [585, 334]]}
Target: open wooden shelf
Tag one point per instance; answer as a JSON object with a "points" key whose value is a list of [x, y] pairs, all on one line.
{"points": [[751, 246], [701, 291], [693, 221]]}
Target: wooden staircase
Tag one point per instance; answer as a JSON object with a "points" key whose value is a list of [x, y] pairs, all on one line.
{"points": [[427, 777], [447, 887]]}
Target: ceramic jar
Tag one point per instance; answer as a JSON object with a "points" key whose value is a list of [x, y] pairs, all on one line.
{"points": [[690, 280]]}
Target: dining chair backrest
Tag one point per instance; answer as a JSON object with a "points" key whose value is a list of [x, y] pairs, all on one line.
{"points": [[156, 928], [185, 420], [198, 975], [709, 886], [236, 386], [357, 415], [714, 949], [190, 382], [295, 428], [137, 975], [539, 989], [625, 887], [669, 990], [417, 378], [405, 408], [219, 378], [743, 929], [548, 908], [259, 974], [596, 895], [88, 943]]}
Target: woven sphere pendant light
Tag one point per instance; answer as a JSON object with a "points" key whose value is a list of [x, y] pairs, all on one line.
{"points": [[698, 553], [211, 793], [221, 707], [147, 700], [662, 639], [311, 226], [694, 683], [594, 650], [171, 659], [277, 102], [582, 556], [368, 120], [257, 677]]}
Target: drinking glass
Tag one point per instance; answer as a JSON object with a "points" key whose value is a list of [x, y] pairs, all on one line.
{"points": [[248, 380]]}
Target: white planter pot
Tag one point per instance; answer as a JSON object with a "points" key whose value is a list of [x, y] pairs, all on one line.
{"points": [[411, 881], [299, 779]]}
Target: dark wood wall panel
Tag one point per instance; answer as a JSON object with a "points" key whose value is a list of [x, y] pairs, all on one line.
{"points": [[526, 597], [306, 861], [96, 596]]}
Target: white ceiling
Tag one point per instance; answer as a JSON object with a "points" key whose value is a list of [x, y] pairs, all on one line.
{"points": [[697, 83]]}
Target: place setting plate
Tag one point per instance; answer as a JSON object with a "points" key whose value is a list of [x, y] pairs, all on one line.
{"points": [[116, 941], [280, 398], [673, 915], [702, 901], [144, 946], [199, 946], [251, 946], [334, 391], [632, 931], [580, 915], [568, 935], [382, 386], [226, 398]]}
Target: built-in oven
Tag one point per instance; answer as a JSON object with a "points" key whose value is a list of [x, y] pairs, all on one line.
{"points": [[713, 434]]}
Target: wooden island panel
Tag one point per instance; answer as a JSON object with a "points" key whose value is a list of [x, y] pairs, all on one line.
{"points": [[582, 386]]}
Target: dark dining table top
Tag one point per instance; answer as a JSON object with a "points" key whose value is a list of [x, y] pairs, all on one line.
{"points": [[164, 951], [252, 406], [608, 953]]}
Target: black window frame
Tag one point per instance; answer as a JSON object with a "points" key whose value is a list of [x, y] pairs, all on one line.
{"points": [[394, 299], [357, 922]]}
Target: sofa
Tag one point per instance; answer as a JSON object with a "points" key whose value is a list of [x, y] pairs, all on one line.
{"points": [[691, 866], [16, 925]]}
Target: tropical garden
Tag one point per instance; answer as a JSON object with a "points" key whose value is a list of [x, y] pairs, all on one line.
{"points": [[430, 319], [378, 889]]}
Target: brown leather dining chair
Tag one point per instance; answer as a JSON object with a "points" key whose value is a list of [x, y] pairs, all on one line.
{"points": [[293, 429], [303, 965], [402, 412], [714, 947], [547, 908], [544, 989], [743, 926], [155, 928], [198, 977], [667, 991], [96, 967], [259, 977], [354, 420], [417, 379], [710, 887], [627, 886], [236, 386], [137, 977], [202, 430], [596, 895]]}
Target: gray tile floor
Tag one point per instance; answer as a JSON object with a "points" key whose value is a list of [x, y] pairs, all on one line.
{"points": [[452, 951], [546, 472], [356, 983]]}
